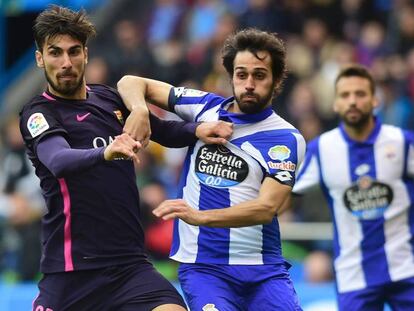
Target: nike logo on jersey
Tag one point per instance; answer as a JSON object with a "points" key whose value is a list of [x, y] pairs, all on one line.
{"points": [[80, 118]]}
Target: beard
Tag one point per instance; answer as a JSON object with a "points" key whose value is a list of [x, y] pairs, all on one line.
{"points": [[66, 88], [254, 103], [356, 121]]}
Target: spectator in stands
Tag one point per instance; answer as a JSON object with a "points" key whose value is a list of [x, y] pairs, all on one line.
{"points": [[22, 205]]}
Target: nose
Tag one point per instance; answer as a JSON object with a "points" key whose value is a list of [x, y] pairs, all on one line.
{"points": [[352, 100], [67, 62], [249, 86]]}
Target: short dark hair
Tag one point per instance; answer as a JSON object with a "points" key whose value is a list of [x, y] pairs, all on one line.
{"points": [[254, 40], [356, 70], [57, 20]]}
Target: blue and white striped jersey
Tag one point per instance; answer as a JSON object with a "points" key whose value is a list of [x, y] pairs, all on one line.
{"points": [[216, 176], [370, 189]]}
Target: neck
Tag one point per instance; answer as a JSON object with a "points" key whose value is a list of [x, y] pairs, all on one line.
{"points": [[80, 93], [234, 107], [360, 133]]}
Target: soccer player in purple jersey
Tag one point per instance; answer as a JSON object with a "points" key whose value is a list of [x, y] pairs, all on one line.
{"points": [[93, 242]]}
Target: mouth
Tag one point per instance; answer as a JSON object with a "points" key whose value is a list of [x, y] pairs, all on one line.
{"points": [[249, 97], [353, 111], [66, 76]]}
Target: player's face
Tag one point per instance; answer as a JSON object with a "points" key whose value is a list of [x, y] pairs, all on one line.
{"points": [[354, 101], [252, 83], [63, 59]]}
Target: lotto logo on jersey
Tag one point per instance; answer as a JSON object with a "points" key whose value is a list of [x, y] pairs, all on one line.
{"points": [[183, 92], [279, 152], [37, 124], [218, 167], [210, 307], [368, 199]]}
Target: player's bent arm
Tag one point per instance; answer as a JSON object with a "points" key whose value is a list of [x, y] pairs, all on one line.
{"points": [[173, 134], [136, 91], [287, 204], [262, 210], [56, 154]]}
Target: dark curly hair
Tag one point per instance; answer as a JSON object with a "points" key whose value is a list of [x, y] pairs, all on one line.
{"points": [[57, 20], [254, 41]]}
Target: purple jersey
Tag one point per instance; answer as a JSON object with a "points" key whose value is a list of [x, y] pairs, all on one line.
{"points": [[93, 214]]}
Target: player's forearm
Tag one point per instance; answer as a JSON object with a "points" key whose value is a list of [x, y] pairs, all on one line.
{"points": [[135, 91], [287, 204], [132, 90], [55, 153], [249, 213]]}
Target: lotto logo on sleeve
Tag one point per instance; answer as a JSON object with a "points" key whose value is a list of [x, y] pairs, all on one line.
{"points": [[184, 92], [37, 124]]}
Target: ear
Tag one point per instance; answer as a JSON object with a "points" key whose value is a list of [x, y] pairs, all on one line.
{"points": [[335, 105], [86, 55], [39, 59], [375, 102]]}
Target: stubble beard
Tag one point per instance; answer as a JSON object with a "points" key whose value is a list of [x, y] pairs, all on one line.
{"points": [[357, 123], [66, 88], [253, 106]]}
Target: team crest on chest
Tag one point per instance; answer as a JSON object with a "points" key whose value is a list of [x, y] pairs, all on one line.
{"points": [[218, 167], [119, 116]]}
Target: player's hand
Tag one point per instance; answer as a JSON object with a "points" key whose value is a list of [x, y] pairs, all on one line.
{"points": [[171, 209], [215, 132], [137, 125], [123, 147]]}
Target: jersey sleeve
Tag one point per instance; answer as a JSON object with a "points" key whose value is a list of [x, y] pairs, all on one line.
{"points": [[279, 153], [38, 121], [309, 172], [189, 104], [171, 133]]}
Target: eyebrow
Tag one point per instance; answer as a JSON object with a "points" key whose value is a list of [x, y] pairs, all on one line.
{"points": [[52, 46], [254, 69]]}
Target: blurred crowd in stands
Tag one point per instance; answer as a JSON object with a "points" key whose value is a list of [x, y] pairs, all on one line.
{"points": [[179, 41]]}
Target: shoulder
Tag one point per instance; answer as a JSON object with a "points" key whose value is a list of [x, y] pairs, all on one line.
{"points": [[275, 127], [102, 90], [38, 104], [38, 100], [330, 137]]}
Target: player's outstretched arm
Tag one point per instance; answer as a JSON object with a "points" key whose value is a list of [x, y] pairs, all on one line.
{"points": [[56, 154], [272, 199]]}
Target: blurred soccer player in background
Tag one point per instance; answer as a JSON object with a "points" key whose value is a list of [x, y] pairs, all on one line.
{"points": [[366, 171], [227, 235], [93, 242]]}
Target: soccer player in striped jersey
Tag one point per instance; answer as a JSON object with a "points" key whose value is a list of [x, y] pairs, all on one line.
{"points": [[226, 233], [93, 241], [366, 171]]}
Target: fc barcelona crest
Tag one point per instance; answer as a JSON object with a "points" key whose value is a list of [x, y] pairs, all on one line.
{"points": [[119, 116]]}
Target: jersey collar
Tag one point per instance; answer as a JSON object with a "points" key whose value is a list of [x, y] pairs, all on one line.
{"points": [[51, 97], [242, 118], [371, 138]]}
